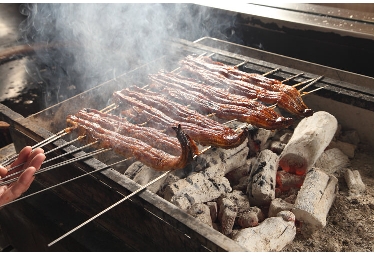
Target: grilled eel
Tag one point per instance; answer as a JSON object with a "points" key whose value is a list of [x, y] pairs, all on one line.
{"points": [[217, 135], [217, 76], [174, 110], [224, 111], [267, 83], [151, 136], [216, 94], [131, 147]]}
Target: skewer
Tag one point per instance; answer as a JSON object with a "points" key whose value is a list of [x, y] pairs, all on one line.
{"points": [[271, 72], [64, 182], [305, 93], [110, 207], [48, 152], [312, 82], [49, 160], [292, 77], [40, 144], [69, 161]]}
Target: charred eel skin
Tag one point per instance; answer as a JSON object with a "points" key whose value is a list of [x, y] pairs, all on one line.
{"points": [[221, 96], [250, 85], [132, 147], [224, 111], [141, 111], [151, 136]]}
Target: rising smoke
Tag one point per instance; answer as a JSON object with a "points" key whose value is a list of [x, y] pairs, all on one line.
{"points": [[102, 41]]}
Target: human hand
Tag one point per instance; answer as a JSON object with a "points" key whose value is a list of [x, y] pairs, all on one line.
{"points": [[32, 160]]}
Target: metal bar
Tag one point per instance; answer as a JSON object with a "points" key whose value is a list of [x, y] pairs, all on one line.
{"points": [[110, 207]]}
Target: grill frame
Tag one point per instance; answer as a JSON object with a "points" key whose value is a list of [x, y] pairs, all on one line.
{"points": [[172, 229]]}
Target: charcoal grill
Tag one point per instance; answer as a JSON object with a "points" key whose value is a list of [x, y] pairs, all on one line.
{"points": [[147, 222]]}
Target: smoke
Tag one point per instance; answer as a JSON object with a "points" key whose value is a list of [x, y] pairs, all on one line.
{"points": [[98, 42]]}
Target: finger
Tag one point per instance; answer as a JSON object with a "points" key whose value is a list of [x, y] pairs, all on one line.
{"points": [[3, 189], [22, 156], [32, 155], [3, 171], [18, 187], [37, 161]]}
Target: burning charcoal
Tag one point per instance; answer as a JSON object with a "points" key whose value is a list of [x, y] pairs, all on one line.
{"points": [[262, 189], [277, 147], [278, 205], [258, 140], [332, 160], [286, 180], [310, 138], [213, 210], [250, 217], [196, 188], [273, 234], [346, 148], [314, 200], [201, 212], [354, 182], [227, 212]]}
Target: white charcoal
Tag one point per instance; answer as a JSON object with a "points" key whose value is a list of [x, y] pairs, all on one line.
{"points": [[143, 174], [355, 184], [350, 136], [310, 138], [235, 175], [278, 205], [250, 217], [277, 146], [258, 140], [196, 188], [213, 210], [201, 212], [272, 235], [285, 138], [332, 160], [262, 188], [227, 212], [346, 148], [314, 200]]}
